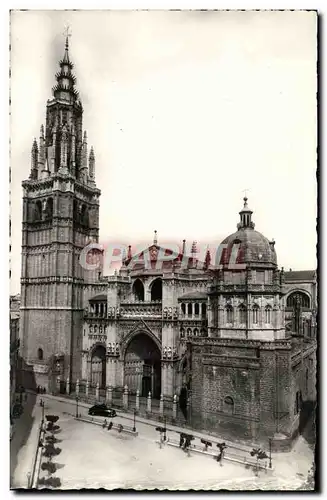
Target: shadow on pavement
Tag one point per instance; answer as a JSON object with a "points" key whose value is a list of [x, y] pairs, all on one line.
{"points": [[21, 430]]}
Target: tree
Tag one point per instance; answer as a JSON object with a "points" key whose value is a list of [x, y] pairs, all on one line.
{"points": [[49, 466], [51, 451], [53, 482], [52, 418]]}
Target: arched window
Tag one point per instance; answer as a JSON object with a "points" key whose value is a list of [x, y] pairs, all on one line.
{"points": [[242, 314], [189, 309], [196, 309], [48, 212], [75, 211], [229, 314], [38, 210], [268, 315], [255, 312], [195, 332], [229, 405], [183, 308], [298, 298], [138, 290], [204, 309], [182, 333], [189, 332], [84, 216], [40, 354], [156, 290]]}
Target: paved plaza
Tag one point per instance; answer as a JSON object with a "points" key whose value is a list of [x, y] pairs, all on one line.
{"points": [[93, 457]]}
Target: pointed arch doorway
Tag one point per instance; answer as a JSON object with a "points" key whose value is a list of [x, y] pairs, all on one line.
{"points": [[98, 366], [142, 366]]}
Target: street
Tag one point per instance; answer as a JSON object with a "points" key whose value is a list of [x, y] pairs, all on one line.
{"points": [[93, 457]]}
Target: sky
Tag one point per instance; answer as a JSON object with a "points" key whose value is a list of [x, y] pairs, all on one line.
{"points": [[185, 110]]}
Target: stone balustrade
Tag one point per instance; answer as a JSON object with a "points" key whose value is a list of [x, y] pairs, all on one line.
{"points": [[141, 309]]}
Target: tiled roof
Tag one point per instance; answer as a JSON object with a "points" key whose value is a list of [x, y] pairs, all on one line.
{"points": [[300, 276]]}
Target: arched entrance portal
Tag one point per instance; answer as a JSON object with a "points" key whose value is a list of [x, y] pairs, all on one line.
{"points": [[142, 367], [98, 366]]}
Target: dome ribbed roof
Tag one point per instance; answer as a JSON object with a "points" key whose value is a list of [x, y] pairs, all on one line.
{"points": [[253, 247]]}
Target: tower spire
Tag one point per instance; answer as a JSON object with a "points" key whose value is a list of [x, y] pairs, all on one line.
{"points": [[84, 169], [207, 259], [65, 79], [92, 165], [155, 238], [67, 35], [34, 160]]}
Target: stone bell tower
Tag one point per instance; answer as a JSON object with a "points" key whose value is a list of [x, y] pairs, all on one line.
{"points": [[60, 217]]}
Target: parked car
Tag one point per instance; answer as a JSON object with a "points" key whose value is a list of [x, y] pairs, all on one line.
{"points": [[102, 410]]}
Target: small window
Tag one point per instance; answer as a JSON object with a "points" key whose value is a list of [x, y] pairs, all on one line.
{"points": [[189, 309], [204, 309], [196, 309], [195, 332], [255, 314], [229, 314], [189, 332], [242, 314], [40, 354], [183, 309], [229, 405], [268, 314], [182, 333]]}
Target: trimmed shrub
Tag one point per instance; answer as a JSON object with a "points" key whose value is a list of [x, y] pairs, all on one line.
{"points": [[52, 418]]}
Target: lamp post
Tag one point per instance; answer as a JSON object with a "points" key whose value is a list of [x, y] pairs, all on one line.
{"points": [[76, 406], [165, 428], [134, 428], [42, 406], [270, 453]]}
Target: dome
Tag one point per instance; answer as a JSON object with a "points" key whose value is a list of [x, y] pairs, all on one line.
{"points": [[254, 248]]}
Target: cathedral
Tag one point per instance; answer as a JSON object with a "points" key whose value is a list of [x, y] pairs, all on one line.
{"points": [[235, 342]]}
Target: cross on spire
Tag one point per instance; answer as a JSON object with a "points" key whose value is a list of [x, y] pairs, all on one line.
{"points": [[67, 34], [245, 191], [66, 31]]}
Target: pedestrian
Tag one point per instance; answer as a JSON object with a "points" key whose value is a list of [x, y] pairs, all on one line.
{"points": [[181, 440], [187, 445], [104, 425]]}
